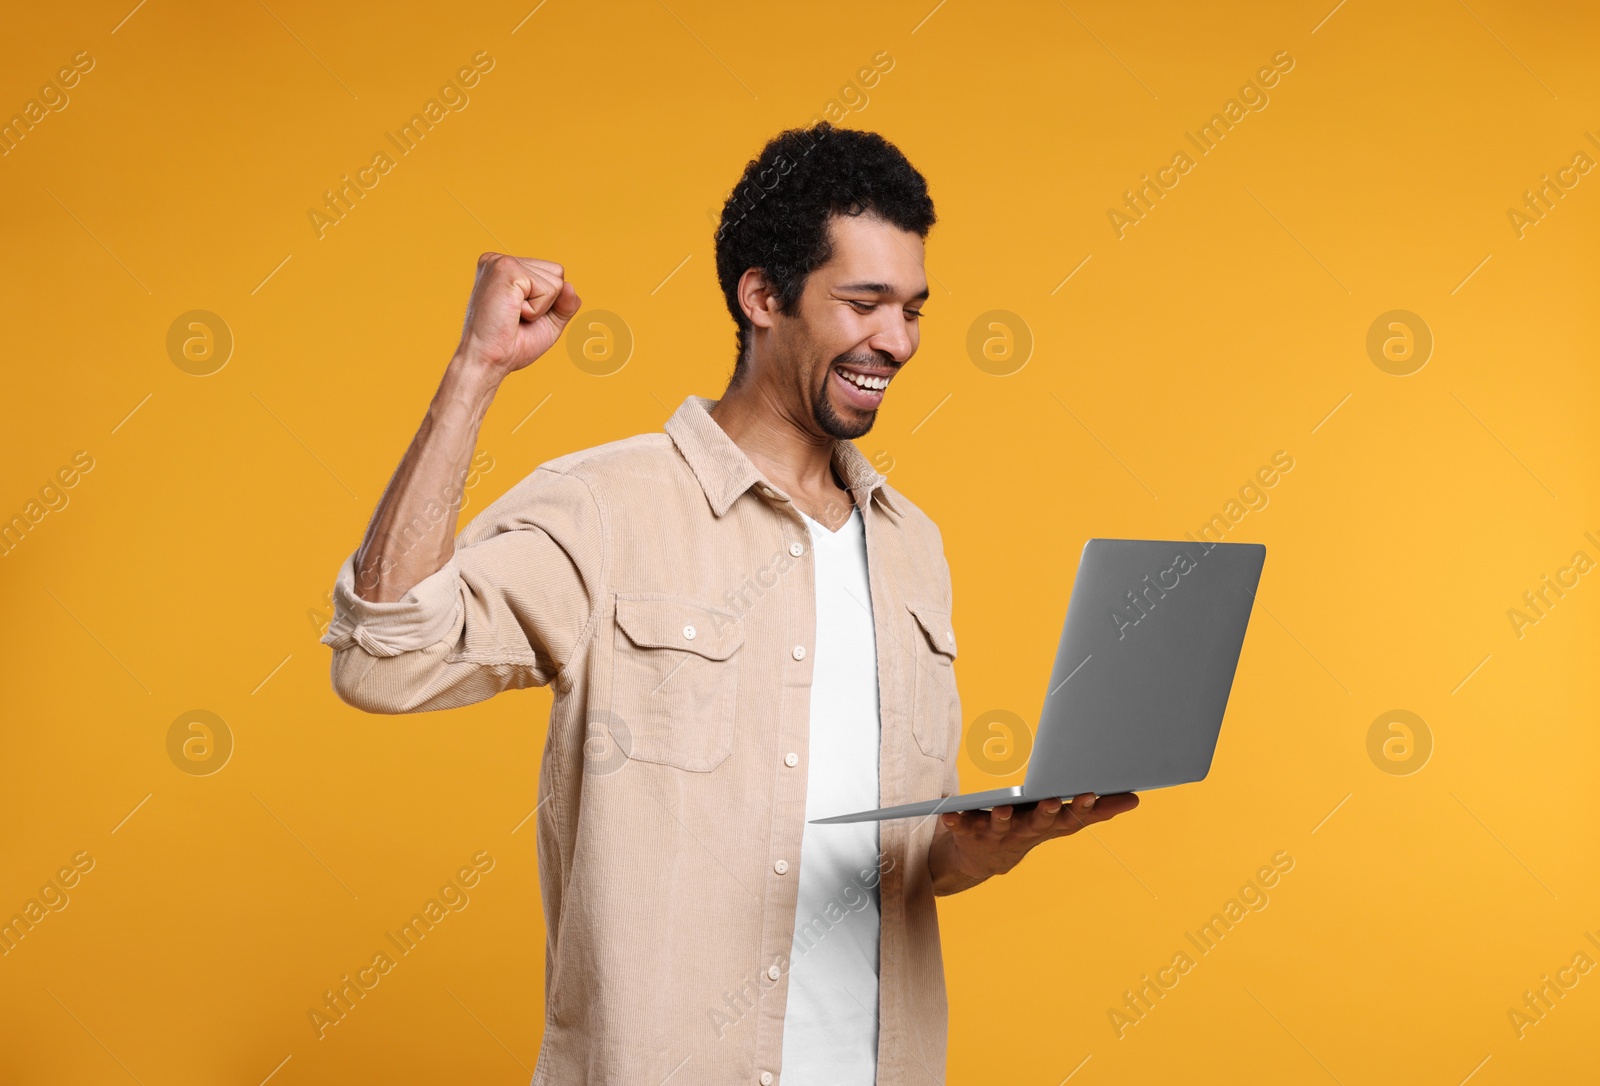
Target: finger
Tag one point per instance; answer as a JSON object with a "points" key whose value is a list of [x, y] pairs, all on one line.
{"points": [[549, 267], [960, 823], [508, 267], [1105, 808], [544, 292], [520, 269], [1000, 820], [555, 300], [553, 303], [1044, 815], [532, 292], [538, 285], [1113, 805], [1030, 819], [1076, 814], [1075, 810], [565, 307]]}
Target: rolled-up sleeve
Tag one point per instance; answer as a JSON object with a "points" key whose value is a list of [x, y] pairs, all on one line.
{"points": [[510, 609]]}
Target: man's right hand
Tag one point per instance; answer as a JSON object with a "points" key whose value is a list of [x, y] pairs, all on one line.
{"points": [[518, 309], [517, 312]]}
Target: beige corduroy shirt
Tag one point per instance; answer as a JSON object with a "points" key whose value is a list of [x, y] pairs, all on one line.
{"points": [[666, 588]]}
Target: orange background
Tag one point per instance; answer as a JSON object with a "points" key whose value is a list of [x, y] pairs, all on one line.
{"points": [[189, 567]]}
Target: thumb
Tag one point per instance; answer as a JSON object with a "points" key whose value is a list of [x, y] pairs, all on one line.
{"points": [[564, 308]]}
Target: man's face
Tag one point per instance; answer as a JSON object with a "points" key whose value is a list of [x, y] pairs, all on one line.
{"points": [[855, 325]]}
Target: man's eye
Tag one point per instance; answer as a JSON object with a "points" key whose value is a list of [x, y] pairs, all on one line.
{"points": [[913, 312], [862, 307]]}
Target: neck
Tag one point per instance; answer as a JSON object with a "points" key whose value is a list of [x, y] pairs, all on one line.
{"points": [[774, 435]]}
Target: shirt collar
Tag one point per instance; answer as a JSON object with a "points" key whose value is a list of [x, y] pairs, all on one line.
{"points": [[725, 472]]}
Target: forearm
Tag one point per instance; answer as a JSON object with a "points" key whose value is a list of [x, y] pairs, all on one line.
{"points": [[407, 538]]}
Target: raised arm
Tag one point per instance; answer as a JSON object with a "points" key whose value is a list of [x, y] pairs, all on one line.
{"points": [[425, 618], [517, 311]]}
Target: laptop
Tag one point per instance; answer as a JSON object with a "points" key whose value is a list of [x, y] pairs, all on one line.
{"points": [[1142, 675]]}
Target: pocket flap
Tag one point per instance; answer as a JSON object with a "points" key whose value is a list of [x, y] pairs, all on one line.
{"points": [[672, 622], [936, 624]]}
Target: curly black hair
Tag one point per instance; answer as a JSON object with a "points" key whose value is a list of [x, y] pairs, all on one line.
{"points": [[776, 217]]}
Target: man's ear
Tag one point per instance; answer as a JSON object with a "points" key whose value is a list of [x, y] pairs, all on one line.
{"points": [[757, 298]]}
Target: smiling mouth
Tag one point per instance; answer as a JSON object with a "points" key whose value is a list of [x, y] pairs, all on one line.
{"points": [[863, 390], [865, 381]]}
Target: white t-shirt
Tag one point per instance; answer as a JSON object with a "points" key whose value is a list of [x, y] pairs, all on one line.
{"points": [[830, 1029]]}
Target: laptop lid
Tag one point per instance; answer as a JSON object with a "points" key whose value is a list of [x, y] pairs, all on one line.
{"points": [[1145, 665]]}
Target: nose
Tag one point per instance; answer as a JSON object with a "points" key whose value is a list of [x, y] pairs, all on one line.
{"points": [[894, 335]]}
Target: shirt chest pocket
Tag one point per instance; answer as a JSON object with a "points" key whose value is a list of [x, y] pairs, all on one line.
{"points": [[936, 706], [675, 680]]}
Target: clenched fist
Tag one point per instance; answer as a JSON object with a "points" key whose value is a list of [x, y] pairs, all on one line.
{"points": [[518, 308]]}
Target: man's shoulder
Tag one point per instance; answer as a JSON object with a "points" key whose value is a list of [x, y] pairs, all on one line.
{"points": [[619, 458], [587, 479], [915, 520]]}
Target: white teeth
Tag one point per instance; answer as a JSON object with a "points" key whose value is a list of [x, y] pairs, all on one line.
{"points": [[864, 382]]}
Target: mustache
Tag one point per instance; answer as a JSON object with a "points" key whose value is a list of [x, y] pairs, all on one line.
{"points": [[874, 358]]}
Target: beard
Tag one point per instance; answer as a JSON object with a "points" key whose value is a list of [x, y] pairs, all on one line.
{"points": [[822, 407]]}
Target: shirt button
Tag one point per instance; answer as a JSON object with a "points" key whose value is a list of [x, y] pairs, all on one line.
{"points": [[949, 636], [773, 973], [791, 759], [799, 652], [796, 549], [688, 632], [766, 1078], [781, 867]]}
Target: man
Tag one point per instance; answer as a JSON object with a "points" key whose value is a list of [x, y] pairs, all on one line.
{"points": [[746, 628]]}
